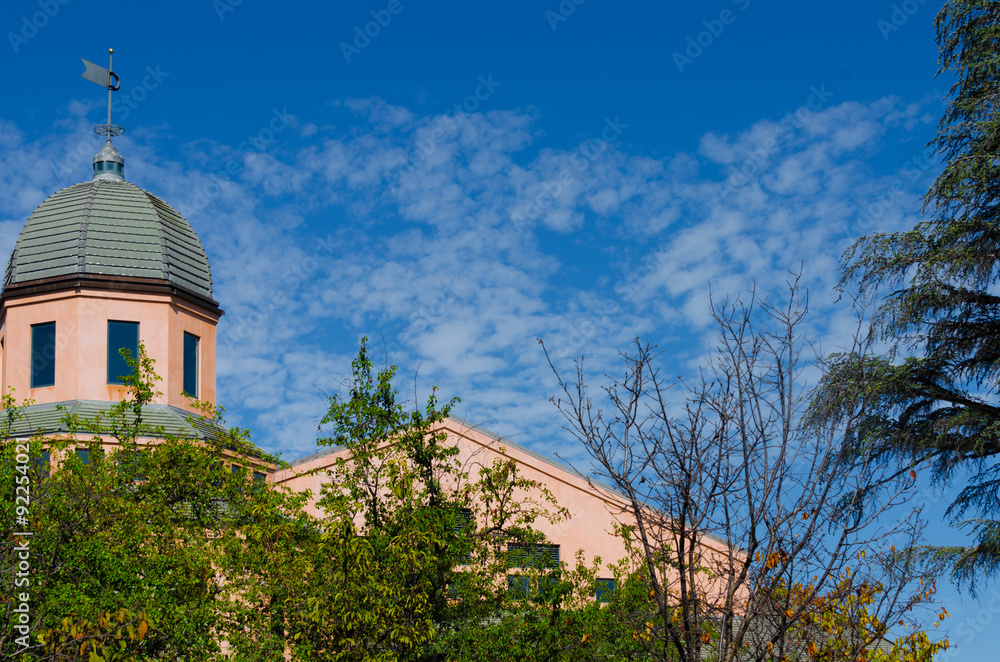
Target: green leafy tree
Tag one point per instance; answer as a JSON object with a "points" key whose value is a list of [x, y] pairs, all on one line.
{"points": [[932, 400], [128, 539], [414, 548]]}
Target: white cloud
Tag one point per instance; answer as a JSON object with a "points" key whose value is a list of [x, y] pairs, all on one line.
{"points": [[454, 243]]}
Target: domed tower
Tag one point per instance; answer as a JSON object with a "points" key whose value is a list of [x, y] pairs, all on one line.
{"points": [[99, 266]]}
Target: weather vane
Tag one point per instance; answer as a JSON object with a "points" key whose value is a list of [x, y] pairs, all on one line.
{"points": [[109, 79]]}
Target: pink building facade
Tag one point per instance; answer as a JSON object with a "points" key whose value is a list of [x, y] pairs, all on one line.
{"points": [[593, 510]]}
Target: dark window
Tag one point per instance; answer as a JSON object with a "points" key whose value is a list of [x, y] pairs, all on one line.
{"points": [[42, 463], [519, 585], [459, 585], [191, 365], [259, 476], [217, 468], [532, 556], [85, 455], [463, 520], [130, 465], [43, 354], [548, 584], [121, 335], [605, 589]]}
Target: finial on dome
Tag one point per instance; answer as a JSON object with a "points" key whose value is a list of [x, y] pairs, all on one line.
{"points": [[109, 164]]}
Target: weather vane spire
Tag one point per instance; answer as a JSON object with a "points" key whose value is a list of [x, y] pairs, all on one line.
{"points": [[109, 79]]}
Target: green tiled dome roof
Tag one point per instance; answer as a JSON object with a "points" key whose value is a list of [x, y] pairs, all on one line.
{"points": [[110, 228]]}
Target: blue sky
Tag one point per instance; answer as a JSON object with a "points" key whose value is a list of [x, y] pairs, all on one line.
{"points": [[467, 177]]}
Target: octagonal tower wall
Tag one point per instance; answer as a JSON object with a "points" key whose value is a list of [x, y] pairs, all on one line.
{"points": [[81, 317]]}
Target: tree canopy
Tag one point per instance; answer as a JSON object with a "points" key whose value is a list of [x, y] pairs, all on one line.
{"points": [[933, 400]]}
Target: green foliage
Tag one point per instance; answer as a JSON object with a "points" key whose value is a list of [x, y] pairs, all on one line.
{"points": [[413, 549], [108, 637], [128, 545], [152, 547], [939, 406], [557, 618]]}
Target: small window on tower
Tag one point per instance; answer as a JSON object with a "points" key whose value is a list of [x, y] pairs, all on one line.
{"points": [[121, 335], [43, 354], [191, 364]]}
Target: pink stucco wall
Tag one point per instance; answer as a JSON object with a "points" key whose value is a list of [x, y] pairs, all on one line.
{"points": [[593, 511], [81, 318]]}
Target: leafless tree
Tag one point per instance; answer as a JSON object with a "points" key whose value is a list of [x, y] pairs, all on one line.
{"points": [[751, 530]]}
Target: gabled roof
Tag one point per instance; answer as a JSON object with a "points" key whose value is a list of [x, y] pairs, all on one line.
{"points": [[562, 466], [555, 463]]}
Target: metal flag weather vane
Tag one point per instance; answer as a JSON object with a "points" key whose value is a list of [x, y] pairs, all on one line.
{"points": [[109, 79]]}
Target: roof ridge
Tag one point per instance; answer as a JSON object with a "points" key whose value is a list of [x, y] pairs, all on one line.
{"points": [[81, 261], [164, 251]]}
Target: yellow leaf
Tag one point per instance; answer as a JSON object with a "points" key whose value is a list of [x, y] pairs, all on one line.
{"points": [[585, 639], [811, 648], [143, 627], [705, 638]]}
